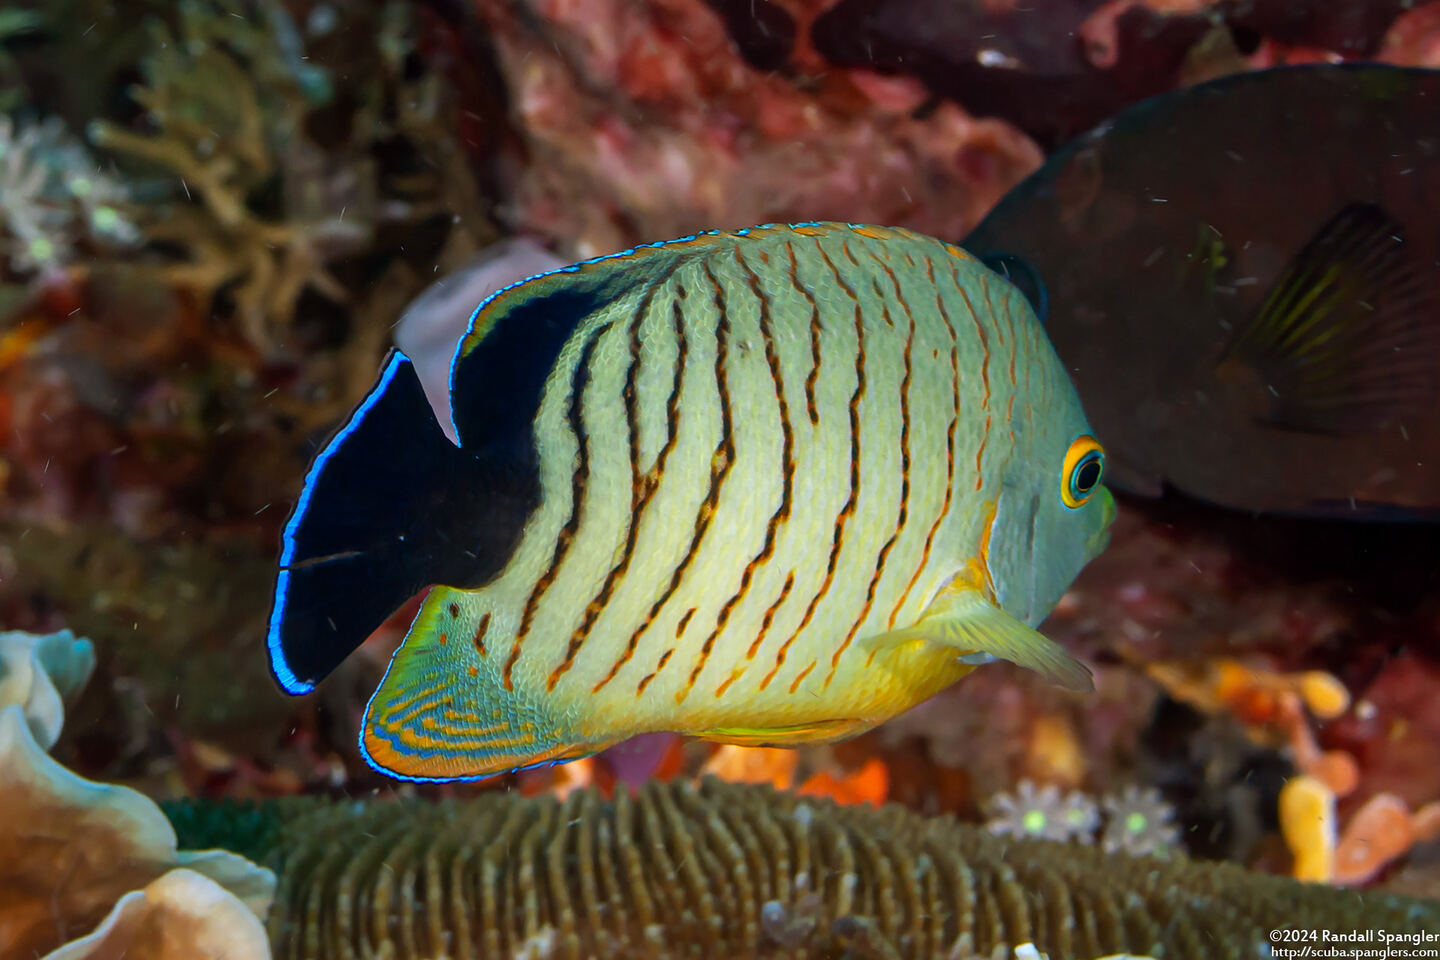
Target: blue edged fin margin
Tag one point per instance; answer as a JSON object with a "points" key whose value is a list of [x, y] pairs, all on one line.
{"points": [[279, 663], [389, 506], [467, 345], [378, 767]]}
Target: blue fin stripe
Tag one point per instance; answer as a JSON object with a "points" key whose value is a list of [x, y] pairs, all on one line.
{"points": [[278, 666], [385, 771]]}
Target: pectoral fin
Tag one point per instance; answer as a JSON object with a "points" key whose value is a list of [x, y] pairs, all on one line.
{"points": [[962, 617]]}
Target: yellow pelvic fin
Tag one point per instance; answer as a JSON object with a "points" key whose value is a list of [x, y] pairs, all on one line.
{"points": [[443, 713], [964, 618]]}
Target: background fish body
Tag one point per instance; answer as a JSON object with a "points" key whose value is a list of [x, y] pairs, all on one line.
{"points": [[1160, 237], [754, 454]]}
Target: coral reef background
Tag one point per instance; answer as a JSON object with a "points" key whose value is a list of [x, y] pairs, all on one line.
{"points": [[212, 212]]}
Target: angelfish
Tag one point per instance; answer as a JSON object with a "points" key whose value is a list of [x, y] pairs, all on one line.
{"points": [[763, 487]]}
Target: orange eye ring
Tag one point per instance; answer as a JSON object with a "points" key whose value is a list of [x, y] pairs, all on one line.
{"points": [[1084, 468]]}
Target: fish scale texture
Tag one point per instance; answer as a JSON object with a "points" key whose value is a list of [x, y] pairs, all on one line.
{"points": [[730, 871]]}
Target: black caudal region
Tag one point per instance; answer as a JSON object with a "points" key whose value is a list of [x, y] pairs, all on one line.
{"points": [[390, 506]]}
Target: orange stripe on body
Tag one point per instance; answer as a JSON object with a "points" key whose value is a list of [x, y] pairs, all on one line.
{"points": [[980, 455], [721, 462], [684, 622], [658, 470], [645, 681], [984, 378], [795, 685], [770, 616], [1014, 342], [842, 521], [443, 739], [904, 510], [814, 375], [787, 471], [577, 498], [403, 710], [480, 632], [949, 465], [873, 232], [640, 490]]}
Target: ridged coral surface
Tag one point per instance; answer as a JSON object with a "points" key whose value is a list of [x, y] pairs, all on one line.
{"points": [[729, 871]]}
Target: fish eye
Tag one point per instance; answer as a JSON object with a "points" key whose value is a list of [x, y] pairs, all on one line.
{"points": [[1084, 467]]}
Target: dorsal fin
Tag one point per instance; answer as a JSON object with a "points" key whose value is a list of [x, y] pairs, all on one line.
{"points": [[517, 333], [1349, 336]]}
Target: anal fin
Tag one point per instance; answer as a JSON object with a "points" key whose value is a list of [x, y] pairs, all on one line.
{"points": [[443, 713], [821, 731], [964, 618]]}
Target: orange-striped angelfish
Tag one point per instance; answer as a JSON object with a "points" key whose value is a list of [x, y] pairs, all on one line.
{"points": [[763, 487]]}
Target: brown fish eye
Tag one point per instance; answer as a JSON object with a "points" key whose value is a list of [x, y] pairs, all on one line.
{"points": [[1084, 466]]}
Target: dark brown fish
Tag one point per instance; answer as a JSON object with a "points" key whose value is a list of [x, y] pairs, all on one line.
{"points": [[1242, 280]]}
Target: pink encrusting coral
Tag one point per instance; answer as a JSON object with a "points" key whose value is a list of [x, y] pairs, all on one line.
{"points": [[643, 120]]}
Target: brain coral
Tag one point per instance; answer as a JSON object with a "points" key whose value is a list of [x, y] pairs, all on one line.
{"points": [[729, 871]]}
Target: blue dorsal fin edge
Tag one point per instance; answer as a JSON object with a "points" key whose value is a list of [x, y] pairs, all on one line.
{"points": [[463, 368], [389, 507]]}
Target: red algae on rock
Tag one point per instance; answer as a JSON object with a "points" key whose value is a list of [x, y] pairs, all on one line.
{"points": [[643, 119]]}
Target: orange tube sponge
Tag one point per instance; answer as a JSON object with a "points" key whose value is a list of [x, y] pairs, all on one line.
{"points": [[1379, 832], [1324, 694], [1307, 820], [870, 784], [1337, 770], [772, 765], [1426, 823]]}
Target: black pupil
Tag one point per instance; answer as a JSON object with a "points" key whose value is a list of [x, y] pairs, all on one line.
{"points": [[1087, 475]]}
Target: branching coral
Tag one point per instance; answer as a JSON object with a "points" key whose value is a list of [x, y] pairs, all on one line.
{"points": [[224, 99], [739, 871]]}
